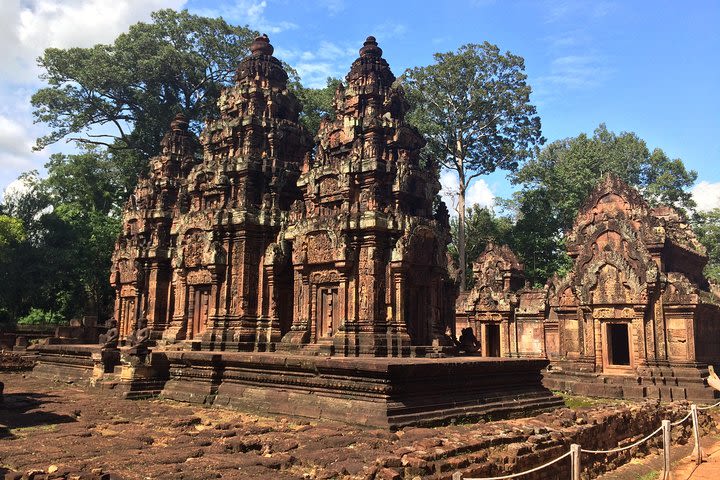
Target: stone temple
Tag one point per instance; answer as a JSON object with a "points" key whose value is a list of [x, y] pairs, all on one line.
{"points": [[266, 270], [634, 318], [263, 245]]}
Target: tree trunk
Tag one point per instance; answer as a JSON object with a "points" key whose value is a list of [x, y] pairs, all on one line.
{"points": [[461, 230]]}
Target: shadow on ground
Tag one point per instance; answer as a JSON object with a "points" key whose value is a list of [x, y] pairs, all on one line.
{"points": [[21, 410]]}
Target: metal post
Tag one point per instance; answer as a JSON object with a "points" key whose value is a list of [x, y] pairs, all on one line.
{"points": [[574, 461], [666, 449], [697, 451]]}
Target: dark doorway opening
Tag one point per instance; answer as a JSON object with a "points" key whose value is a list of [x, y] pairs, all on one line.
{"points": [[492, 340], [618, 344]]}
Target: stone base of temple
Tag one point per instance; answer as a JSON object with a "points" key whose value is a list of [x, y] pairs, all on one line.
{"points": [[384, 392], [110, 370], [65, 363], [367, 391], [668, 382]]}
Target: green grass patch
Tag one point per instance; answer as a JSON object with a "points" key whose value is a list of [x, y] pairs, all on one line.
{"points": [[578, 401], [24, 431]]}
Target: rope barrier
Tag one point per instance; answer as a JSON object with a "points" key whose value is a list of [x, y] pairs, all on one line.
{"points": [[620, 449], [515, 475], [675, 424], [709, 407], [614, 450]]}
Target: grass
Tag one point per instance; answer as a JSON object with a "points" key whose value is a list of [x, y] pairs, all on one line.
{"points": [[578, 401], [650, 476], [22, 431]]}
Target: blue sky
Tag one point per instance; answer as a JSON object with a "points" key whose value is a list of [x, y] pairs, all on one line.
{"points": [[645, 66]]}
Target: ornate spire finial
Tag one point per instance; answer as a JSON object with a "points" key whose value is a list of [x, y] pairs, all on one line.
{"points": [[261, 46], [370, 48]]}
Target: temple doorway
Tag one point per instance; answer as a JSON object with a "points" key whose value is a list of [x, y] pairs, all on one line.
{"points": [[327, 311], [492, 340], [200, 311], [127, 315], [618, 344], [418, 314]]}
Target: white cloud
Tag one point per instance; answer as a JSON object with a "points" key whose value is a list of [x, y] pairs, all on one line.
{"points": [[577, 72], [27, 27], [315, 66], [247, 12], [389, 30], [332, 6], [479, 192], [563, 10], [706, 195]]}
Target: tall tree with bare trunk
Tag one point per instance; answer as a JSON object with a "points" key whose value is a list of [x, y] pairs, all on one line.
{"points": [[473, 106]]}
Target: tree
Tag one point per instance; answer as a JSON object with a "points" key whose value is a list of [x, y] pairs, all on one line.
{"points": [[317, 103], [482, 227], [11, 232], [473, 106], [556, 183], [123, 96], [707, 228], [70, 221]]}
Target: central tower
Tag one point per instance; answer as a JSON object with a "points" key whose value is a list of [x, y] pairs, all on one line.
{"points": [[369, 237]]}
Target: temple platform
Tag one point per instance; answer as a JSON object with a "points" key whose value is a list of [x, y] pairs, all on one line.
{"points": [[658, 382], [379, 392], [366, 391]]}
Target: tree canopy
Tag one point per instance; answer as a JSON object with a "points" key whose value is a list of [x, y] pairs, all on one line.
{"points": [[556, 183], [317, 103], [707, 228], [65, 228], [123, 96], [116, 102], [473, 106]]}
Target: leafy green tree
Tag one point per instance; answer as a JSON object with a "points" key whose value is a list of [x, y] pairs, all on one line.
{"points": [[707, 228], [473, 106], [556, 183], [482, 227], [123, 96], [71, 220], [37, 316], [317, 103], [11, 232]]}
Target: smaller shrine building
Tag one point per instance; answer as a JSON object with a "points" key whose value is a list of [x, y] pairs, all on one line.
{"points": [[634, 318]]}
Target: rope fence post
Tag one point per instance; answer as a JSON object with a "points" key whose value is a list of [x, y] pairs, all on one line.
{"points": [[574, 461], [697, 451], [666, 449]]}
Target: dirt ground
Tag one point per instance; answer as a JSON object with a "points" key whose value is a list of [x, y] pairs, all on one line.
{"points": [[77, 434]]}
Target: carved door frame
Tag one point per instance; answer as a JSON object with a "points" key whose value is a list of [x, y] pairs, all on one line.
{"points": [[198, 317], [607, 367], [324, 293]]}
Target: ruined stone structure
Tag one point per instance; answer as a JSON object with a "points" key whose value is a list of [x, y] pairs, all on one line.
{"points": [[635, 315], [195, 256], [241, 249], [141, 270], [506, 315], [368, 250], [634, 318], [282, 276]]}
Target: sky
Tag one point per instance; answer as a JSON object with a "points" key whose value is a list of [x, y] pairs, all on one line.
{"points": [[650, 67]]}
